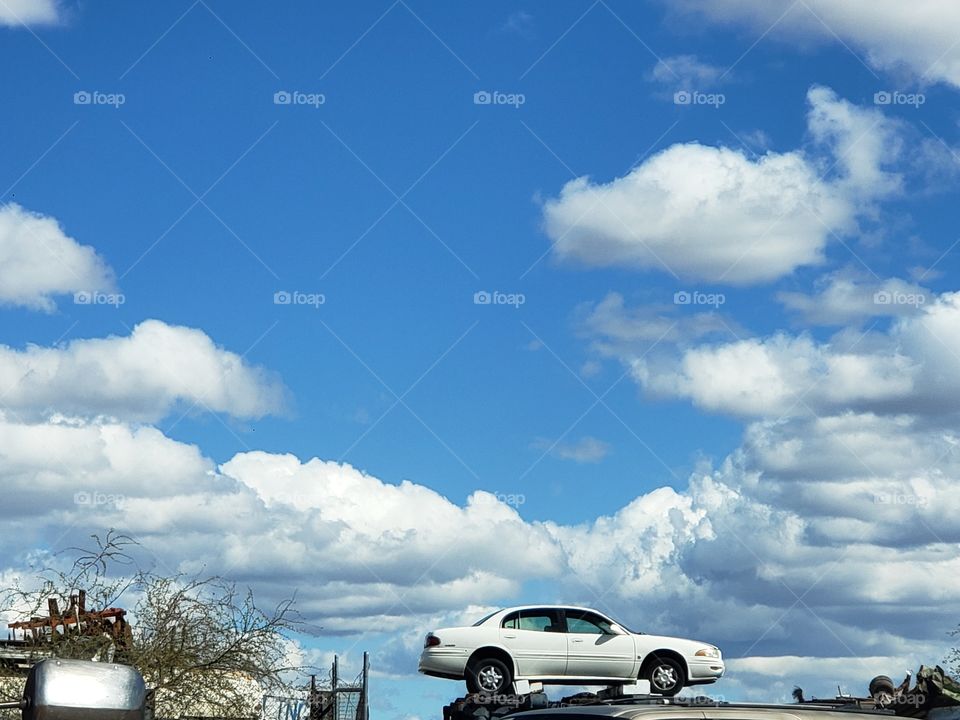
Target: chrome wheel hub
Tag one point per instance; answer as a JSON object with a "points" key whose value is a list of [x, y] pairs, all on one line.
{"points": [[664, 677], [489, 678]]}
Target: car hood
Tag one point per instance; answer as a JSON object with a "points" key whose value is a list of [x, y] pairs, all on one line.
{"points": [[682, 644]]}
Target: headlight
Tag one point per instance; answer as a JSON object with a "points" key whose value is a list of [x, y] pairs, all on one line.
{"points": [[710, 652]]}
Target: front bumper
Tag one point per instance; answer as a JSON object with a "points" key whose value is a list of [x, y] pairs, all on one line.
{"points": [[704, 670]]}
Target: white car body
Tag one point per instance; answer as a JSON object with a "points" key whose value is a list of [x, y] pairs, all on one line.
{"points": [[564, 644]]}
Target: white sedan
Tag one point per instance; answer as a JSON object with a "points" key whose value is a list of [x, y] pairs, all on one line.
{"points": [[564, 645]]}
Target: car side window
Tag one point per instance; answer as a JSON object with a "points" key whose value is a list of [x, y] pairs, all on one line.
{"points": [[536, 620], [581, 621]]}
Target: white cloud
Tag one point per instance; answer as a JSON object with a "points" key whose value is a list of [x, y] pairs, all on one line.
{"points": [[772, 678], [914, 367], [685, 71], [28, 12], [139, 377], [917, 37], [842, 298], [712, 213], [792, 512], [744, 541], [585, 450], [779, 375], [38, 261], [374, 554], [615, 328], [45, 465]]}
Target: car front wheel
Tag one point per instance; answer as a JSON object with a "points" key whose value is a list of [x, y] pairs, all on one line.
{"points": [[666, 676], [488, 675]]}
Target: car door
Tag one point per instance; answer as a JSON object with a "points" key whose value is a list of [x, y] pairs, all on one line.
{"points": [[536, 641], [596, 647]]}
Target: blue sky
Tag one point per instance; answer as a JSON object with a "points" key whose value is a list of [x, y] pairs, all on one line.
{"points": [[789, 169]]}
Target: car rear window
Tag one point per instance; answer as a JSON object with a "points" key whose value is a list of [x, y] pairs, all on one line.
{"points": [[482, 620]]}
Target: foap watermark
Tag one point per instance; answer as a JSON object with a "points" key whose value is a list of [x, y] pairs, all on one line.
{"points": [[95, 297], [296, 97], [499, 699], [895, 97], [483, 297], [485, 97], [899, 499], [912, 700], [514, 500], [695, 297], [695, 97], [93, 498], [285, 297], [890, 297], [96, 97]]}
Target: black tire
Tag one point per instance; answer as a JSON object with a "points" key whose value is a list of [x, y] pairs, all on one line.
{"points": [[488, 675], [666, 676], [881, 684]]}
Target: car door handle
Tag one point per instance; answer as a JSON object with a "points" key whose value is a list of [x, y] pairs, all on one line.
{"points": [[576, 639], [510, 636]]}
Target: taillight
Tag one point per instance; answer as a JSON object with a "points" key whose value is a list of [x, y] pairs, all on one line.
{"points": [[431, 640]]}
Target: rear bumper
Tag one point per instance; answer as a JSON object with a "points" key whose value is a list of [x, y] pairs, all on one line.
{"points": [[443, 662]]}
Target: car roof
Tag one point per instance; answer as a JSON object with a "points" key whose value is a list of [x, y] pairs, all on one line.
{"points": [[547, 606]]}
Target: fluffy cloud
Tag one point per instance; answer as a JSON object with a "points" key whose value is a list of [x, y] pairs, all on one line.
{"points": [[859, 507], [843, 298], [917, 37], [914, 367], [38, 260], [789, 545], [833, 517], [713, 213], [685, 71], [373, 553], [139, 377], [617, 330], [819, 536], [28, 12], [65, 466]]}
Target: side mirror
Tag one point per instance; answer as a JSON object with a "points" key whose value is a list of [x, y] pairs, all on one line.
{"points": [[82, 690]]}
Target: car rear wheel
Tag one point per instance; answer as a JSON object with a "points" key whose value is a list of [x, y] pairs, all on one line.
{"points": [[666, 676], [488, 675]]}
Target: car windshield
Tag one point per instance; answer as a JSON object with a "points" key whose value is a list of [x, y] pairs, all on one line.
{"points": [[482, 620], [624, 627]]}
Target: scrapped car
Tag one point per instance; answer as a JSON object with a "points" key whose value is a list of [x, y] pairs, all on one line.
{"points": [[564, 645]]}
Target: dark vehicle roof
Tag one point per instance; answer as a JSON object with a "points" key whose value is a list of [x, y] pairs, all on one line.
{"points": [[679, 710]]}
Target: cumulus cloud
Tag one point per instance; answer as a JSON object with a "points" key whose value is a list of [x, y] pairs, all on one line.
{"points": [[913, 367], [787, 552], [772, 678], [28, 12], [918, 37], [844, 298], [138, 377], [39, 261], [374, 554], [859, 507], [713, 213]]}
